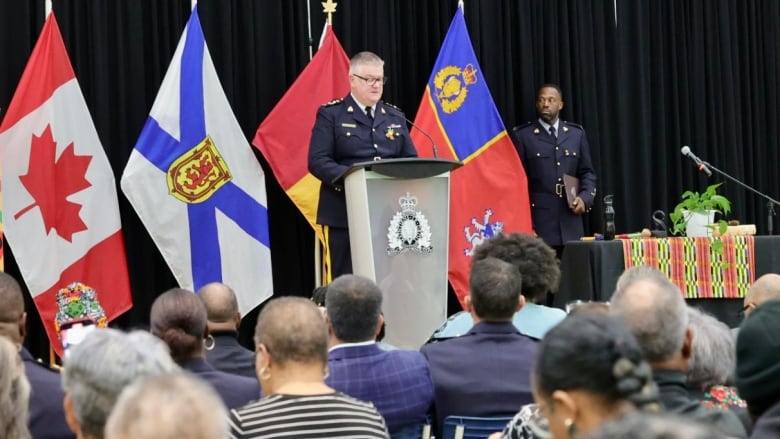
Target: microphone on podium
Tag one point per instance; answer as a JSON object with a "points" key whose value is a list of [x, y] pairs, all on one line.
{"points": [[433, 144], [686, 151]]}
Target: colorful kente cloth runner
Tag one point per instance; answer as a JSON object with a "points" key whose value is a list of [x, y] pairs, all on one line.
{"points": [[693, 266]]}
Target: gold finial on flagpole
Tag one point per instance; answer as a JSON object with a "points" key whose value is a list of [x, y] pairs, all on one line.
{"points": [[329, 7]]}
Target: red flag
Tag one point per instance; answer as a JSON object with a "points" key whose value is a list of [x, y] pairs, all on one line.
{"points": [[62, 215], [283, 137], [489, 194]]}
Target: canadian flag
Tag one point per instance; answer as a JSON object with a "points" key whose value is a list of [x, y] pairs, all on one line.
{"points": [[61, 214]]}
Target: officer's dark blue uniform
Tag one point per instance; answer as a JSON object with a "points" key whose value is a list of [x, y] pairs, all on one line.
{"points": [[546, 159], [342, 136], [47, 416]]}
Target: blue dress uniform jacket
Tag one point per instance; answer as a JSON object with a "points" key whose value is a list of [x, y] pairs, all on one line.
{"points": [[546, 159], [47, 416], [344, 135], [486, 372]]}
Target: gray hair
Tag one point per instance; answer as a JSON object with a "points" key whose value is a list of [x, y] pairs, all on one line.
{"points": [[654, 309], [14, 392], [713, 356], [353, 304], [173, 405], [364, 59], [105, 362]]}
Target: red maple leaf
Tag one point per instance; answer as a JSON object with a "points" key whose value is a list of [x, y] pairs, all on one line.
{"points": [[50, 181]]}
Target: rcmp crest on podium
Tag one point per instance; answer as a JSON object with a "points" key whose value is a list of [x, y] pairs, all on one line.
{"points": [[409, 229]]}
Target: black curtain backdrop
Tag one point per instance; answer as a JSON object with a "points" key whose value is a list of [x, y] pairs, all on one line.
{"points": [[701, 73]]}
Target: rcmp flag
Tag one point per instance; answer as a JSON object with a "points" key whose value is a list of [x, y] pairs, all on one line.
{"points": [[61, 210], [195, 183], [489, 194]]}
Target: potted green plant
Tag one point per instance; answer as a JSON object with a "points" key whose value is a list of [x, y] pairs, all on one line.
{"points": [[699, 209]]}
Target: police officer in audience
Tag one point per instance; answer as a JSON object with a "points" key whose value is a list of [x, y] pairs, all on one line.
{"points": [[358, 128]]}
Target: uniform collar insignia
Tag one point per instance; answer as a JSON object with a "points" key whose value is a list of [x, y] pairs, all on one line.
{"points": [[536, 131], [383, 110], [565, 129], [349, 109]]}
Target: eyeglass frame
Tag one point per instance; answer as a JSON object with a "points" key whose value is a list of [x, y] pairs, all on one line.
{"points": [[372, 81]]}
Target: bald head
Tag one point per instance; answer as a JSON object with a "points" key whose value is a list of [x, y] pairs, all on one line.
{"points": [[654, 309], [12, 315], [221, 306], [293, 330], [766, 288]]}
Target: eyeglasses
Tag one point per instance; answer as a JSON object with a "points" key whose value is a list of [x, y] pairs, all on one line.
{"points": [[372, 81], [743, 313]]}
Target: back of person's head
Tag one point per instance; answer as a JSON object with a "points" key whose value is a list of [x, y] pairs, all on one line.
{"points": [[653, 307], [169, 406], [292, 329], [713, 351], [12, 316], [220, 302], [654, 426], [353, 305], [14, 392], [105, 362], [319, 294], [597, 354], [765, 288], [534, 259], [494, 289], [757, 375], [178, 317]]}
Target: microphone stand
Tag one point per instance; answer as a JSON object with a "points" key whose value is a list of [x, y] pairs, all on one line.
{"points": [[770, 204]]}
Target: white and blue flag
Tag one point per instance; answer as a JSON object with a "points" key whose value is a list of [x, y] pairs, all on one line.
{"points": [[196, 184]]}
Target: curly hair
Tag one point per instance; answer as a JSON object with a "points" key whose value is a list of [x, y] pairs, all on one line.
{"points": [[534, 259]]}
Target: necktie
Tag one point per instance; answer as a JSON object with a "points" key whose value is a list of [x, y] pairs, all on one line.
{"points": [[368, 113], [552, 132]]}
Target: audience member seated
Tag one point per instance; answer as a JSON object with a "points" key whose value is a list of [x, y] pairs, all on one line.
{"points": [[654, 308], [712, 364], [178, 317], [46, 416], [654, 426], [486, 372], [398, 382], [100, 367], [223, 351], [292, 354], [14, 393], [765, 288], [170, 406], [540, 272], [757, 374], [589, 370]]}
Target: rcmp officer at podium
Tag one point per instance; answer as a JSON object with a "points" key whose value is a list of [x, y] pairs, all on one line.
{"points": [[550, 148], [355, 129]]}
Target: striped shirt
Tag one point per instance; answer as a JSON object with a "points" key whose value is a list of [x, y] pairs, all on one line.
{"points": [[333, 415]]}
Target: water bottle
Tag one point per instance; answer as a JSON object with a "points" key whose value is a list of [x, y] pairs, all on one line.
{"points": [[609, 218]]}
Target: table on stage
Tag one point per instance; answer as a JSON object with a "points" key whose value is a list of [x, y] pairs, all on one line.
{"points": [[590, 269]]}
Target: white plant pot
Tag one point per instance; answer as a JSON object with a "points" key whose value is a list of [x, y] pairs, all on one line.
{"points": [[698, 223]]}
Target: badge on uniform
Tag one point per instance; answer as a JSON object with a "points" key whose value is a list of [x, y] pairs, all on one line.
{"points": [[348, 125], [392, 131]]}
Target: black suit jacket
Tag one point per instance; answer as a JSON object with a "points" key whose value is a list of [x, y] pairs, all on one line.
{"points": [[47, 417], [486, 372], [342, 136], [546, 159], [229, 356], [235, 391]]}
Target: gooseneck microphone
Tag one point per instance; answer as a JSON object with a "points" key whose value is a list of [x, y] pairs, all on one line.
{"points": [[433, 144], [686, 151]]}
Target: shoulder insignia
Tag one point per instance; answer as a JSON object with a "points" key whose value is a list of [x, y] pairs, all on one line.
{"points": [[572, 124], [333, 102], [391, 105], [521, 126]]}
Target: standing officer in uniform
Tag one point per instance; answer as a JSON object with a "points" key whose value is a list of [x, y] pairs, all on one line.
{"points": [[355, 129], [550, 148]]}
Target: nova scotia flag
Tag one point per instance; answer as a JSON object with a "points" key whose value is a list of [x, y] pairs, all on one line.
{"points": [[196, 184]]}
